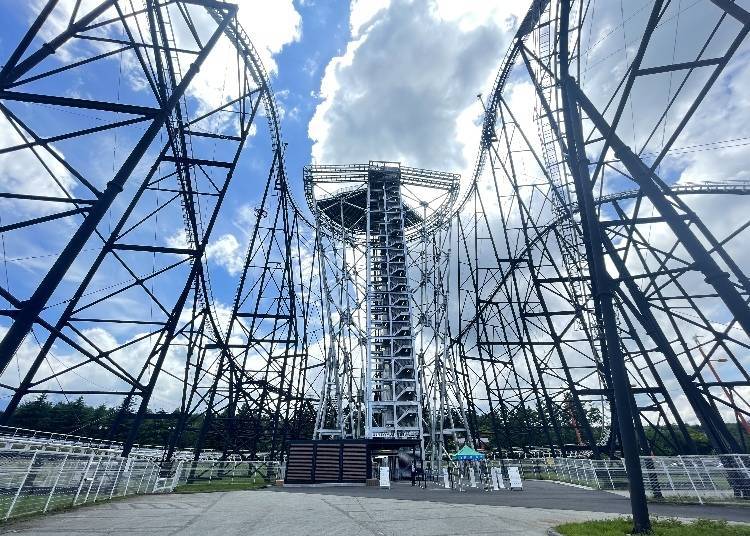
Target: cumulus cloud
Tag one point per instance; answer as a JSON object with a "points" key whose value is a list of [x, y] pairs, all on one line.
{"points": [[23, 172], [405, 87], [227, 253], [271, 26]]}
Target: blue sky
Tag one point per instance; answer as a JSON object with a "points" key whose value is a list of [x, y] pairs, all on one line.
{"points": [[373, 79], [355, 81], [301, 64]]}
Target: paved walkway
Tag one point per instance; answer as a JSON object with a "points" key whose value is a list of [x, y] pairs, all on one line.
{"points": [[400, 511], [272, 513]]}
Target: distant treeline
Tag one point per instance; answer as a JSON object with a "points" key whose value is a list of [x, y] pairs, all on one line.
{"points": [[77, 418], [530, 427], [524, 427]]}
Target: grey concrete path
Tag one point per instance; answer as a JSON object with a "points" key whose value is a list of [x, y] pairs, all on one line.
{"points": [[292, 514]]}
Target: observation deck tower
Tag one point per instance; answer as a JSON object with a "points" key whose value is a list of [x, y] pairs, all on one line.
{"points": [[368, 219]]}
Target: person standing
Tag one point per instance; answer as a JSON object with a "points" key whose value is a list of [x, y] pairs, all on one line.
{"points": [[413, 474]]}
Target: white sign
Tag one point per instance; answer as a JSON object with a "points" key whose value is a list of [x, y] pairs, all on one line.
{"points": [[497, 478], [515, 478], [446, 480], [385, 477], [472, 478]]}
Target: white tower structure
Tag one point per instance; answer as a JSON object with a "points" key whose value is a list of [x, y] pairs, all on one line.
{"points": [[381, 227]]}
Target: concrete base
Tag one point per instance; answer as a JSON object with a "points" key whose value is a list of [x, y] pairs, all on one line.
{"points": [[372, 482]]}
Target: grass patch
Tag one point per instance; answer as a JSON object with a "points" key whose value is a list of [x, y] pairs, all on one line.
{"points": [[31, 507], [221, 485], [662, 527], [721, 501]]}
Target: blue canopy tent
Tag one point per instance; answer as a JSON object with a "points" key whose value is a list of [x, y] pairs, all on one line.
{"points": [[467, 454]]}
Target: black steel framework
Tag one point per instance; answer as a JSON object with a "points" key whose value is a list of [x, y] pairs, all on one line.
{"points": [[537, 336], [124, 307], [579, 292], [588, 286]]}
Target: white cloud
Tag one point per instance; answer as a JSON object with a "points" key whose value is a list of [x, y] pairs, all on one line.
{"points": [[227, 253], [21, 172], [362, 12], [271, 26], [405, 87]]}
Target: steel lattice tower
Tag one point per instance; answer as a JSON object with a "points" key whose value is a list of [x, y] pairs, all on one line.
{"points": [[172, 159], [386, 278], [392, 390]]}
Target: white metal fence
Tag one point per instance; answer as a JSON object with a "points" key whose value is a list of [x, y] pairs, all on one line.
{"points": [[229, 472], [700, 478], [12, 438], [37, 481]]}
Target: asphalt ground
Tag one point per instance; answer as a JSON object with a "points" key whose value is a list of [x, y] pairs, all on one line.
{"points": [[536, 494], [281, 513], [351, 511]]}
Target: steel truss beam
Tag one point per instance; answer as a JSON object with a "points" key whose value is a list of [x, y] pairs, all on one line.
{"points": [[504, 315], [255, 403]]}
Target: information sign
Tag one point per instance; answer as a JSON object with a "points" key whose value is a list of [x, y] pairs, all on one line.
{"points": [[497, 478], [515, 478], [385, 477]]}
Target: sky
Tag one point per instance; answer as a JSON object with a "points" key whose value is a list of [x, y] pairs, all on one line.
{"points": [[380, 80], [355, 81]]}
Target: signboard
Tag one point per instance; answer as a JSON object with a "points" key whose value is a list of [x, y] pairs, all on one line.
{"points": [[497, 478], [515, 478], [446, 480], [385, 477], [472, 478], [400, 434]]}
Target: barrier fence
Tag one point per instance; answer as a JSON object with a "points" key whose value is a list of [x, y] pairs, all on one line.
{"points": [[39, 481], [32, 482], [12, 438], [228, 472], [699, 478]]}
